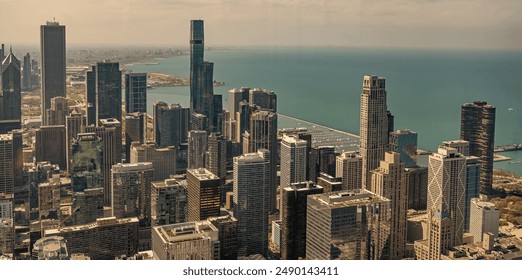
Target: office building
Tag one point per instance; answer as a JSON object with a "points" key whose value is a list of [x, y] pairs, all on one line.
{"points": [[204, 194], [404, 142], [347, 226], [103, 240], [90, 92], [416, 180], [242, 121], [136, 93], [50, 248], [50, 145], [262, 98], [169, 202], [18, 157], [462, 146], [251, 201], [216, 156], [446, 202], [135, 131], [163, 159], [107, 77], [478, 127], [235, 96], [10, 88], [171, 124], [484, 219], [373, 125], [197, 145], [27, 73], [262, 134], [87, 162], [58, 111], [49, 200], [294, 159], [52, 64], [7, 223], [349, 167], [218, 113], [87, 206], [329, 183], [227, 229], [388, 181], [74, 125], [322, 159], [186, 241], [293, 216], [6, 164]]}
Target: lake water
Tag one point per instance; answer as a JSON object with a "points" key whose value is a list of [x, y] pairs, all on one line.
{"points": [[323, 85]]}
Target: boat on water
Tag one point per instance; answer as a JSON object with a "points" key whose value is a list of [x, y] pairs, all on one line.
{"points": [[511, 109], [515, 162]]}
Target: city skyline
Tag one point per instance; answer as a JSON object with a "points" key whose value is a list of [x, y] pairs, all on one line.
{"points": [[398, 24]]}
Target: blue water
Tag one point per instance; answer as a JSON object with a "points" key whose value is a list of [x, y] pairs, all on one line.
{"points": [[323, 85]]}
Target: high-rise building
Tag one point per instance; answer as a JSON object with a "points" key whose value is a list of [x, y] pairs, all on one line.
{"points": [[52, 57], [242, 121], [27, 73], [264, 99], [329, 183], [478, 127], [2, 52], [216, 157], [373, 125], [87, 206], [197, 145], [322, 159], [169, 202], [218, 113], [462, 146], [7, 224], [90, 92], [446, 202], [135, 131], [116, 124], [50, 145], [163, 159], [347, 226], [171, 124], [50, 248], [349, 167], [262, 134], [388, 181], [6, 164], [416, 180], [18, 157], [404, 142], [136, 93], [293, 216], [235, 96], [484, 218], [186, 241], [294, 160], [86, 162], [10, 88], [251, 201], [74, 124], [204, 194], [58, 111], [227, 229], [102, 240], [108, 91], [49, 200]]}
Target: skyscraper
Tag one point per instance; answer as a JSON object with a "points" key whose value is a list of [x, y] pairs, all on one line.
{"points": [[52, 55], [108, 91], [86, 162], [478, 127], [135, 131], [163, 159], [446, 202], [404, 142], [10, 89], [227, 228], [388, 181], [169, 202], [216, 157], [50, 145], [293, 216], [58, 111], [373, 125], [27, 73], [293, 160], [74, 125], [347, 226], [485, 217], [6, 164], [90, 92], [251, 201], [349, 167], [136, 93], [171, 124], [264, 99], [197, 49], [204, 194], [197, 141]]}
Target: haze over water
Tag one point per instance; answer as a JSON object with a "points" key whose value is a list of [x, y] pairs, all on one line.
{"points": [[425, 88]]}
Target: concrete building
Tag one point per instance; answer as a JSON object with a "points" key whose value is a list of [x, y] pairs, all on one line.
{"points": [[294, 159], [87, 162], [6, 164], [446, 203], [484, 219], [262, 98], [103, 240], [404, 142], [322, 159], [216, 157], [186, 241], [197, 149], [349, 167], [7, 224], [136, 93], [227, 228], [52, 64], [49, 200], [294, 217], [171, 124], [50, 248], [50, 145], [169, 202], [58, 111], [462, 146], [204, 194], [347, 226], [135, 131], [416, 180], [87, 206], [478, 127], [251, 201], [388, 181], [329, 183], [373, 125], [163, 159], [74, 125]]}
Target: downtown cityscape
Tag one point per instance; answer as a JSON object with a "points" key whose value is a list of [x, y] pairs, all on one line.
{"points": [[93, 168]]}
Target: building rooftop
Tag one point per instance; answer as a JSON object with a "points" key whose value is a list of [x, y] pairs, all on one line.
{"points": [[203, 174], [124, 167], [99, 223], [186, 231], [342, 199]]}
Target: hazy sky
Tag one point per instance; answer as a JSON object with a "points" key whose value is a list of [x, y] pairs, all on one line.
{"points": [[483, 24]]}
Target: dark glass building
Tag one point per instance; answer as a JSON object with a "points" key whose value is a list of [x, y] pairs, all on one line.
{"points": [[108, 91], [10, 88], [136, 93]]}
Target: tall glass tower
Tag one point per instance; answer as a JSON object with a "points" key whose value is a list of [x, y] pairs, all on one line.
{"points": [[196, 61]]}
